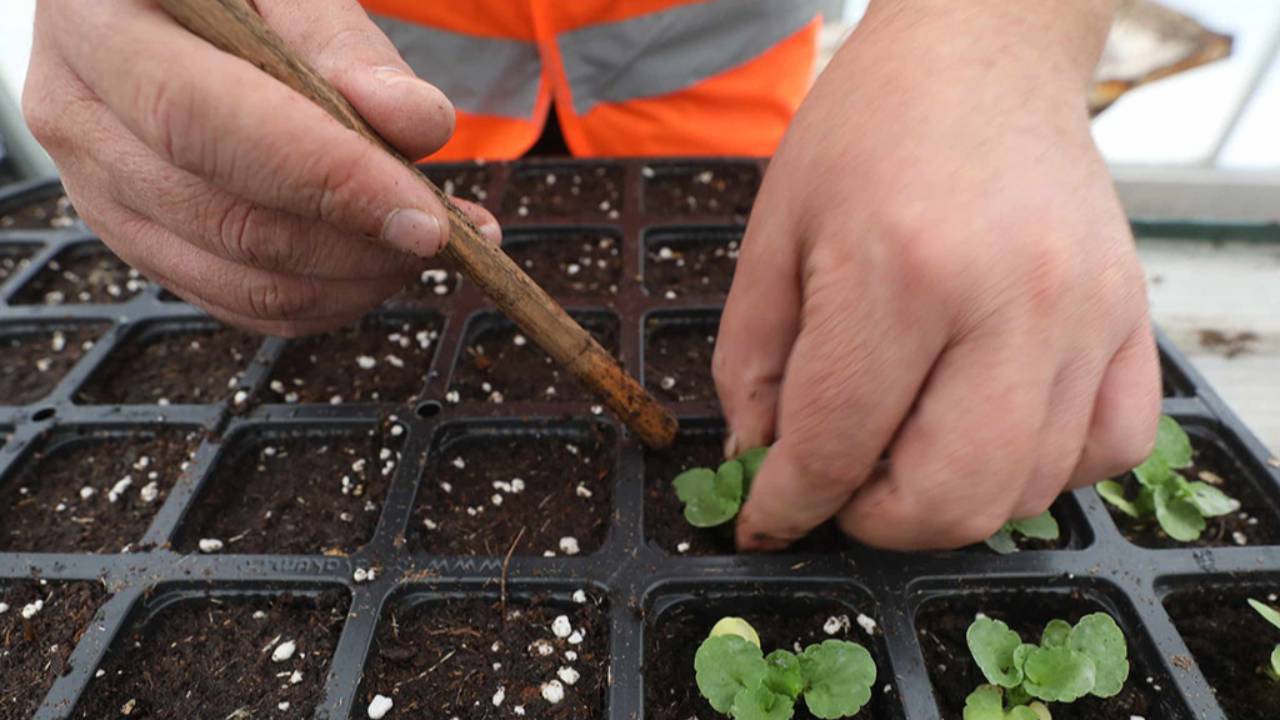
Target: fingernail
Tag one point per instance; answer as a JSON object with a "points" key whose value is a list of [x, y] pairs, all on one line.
{"points": [[393, 75], [492, 232], [731, 449], [413, 231]]}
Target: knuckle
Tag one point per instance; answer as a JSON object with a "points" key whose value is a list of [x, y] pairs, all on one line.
{"points": [[44, 120], [339, 185], [973, 527], [248, 234], [274, 300], [166, 110]]}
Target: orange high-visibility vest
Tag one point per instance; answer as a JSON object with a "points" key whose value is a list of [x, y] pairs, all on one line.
{"points": [[626, 77]]}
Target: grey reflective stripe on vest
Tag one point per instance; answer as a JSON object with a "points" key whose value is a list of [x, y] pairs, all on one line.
{"points": [[482, 76], [673, 49]]}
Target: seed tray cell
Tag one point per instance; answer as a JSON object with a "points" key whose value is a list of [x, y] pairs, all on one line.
{"points": [[702, 188], [135, 377], [82, 274], [569, 263], [35, 205]]}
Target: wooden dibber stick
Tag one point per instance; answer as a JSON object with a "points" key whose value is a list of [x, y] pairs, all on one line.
{"points": [[236, 28]]}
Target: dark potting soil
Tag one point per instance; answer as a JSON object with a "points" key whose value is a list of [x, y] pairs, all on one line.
{"points": [[570, 264], [52, 213], [181, 366], [14, 258], [88, 273], [217, 658], [672, 640], [677, 359], [469, 182], [34, 652], [382, 360], [1232, 644], [1253, 523], [583, 192], [484, 490], [97, 493], [465, 659], [691, 265], [32, 364], [713, 190], [664, 514], [942, 624], [439, 279], [499, 364], [295, 494]]}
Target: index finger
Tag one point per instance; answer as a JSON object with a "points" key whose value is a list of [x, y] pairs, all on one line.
{"points": [[219, 117]]}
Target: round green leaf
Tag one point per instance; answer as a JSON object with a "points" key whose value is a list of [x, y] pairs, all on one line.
{"points": [[724, 666], [1275, 662], [784, 675], [985, 703], [761, 703], [1177, 517], [992, 644], [1113, 492], [1002, 542], [1055, 633], [751, 461], [1040, 527], [1268, 613], [1098, 637], [735, 626], [838, 676], [1172, 444], [710, 498], [1209, 500], [1058, 674]]}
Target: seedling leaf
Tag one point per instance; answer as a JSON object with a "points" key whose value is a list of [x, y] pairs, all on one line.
{"points": [[1055, 633], [1268, 613], [735, 626], [1040, 527], [1113, 492], [1059, 674], [1003, 542], [1177, 517], [710, 498], [761, 703], [751, 461], [838, 676], [1099, 638], [986, 703], [784, 676], [1173, 446], [1275, 662], [726, 665], [993, 644], [1210, 501]]}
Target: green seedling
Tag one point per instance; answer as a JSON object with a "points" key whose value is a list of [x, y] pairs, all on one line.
{"points": [[833, 678], [1089, 658], [713, 497], [1272, 616], [1040, 527], [1178, 504]]}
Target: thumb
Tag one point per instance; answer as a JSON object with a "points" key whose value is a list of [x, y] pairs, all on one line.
{"points": [[342, 43], [759, 324]]}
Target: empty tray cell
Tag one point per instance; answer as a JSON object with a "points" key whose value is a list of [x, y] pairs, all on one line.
{"points": [[486, 486], [470, 659], [91, 492], [46, 214], [1215, 462], [684, 262], [171, 366], [785, 618], [569, 262], [13, 258], [1231, 643], [499, 364], [222, 656], [33, 360], [318, 491], [39, 629], [710, 189], [677, 356], [469, 181], [701, 444], [383, 360], [84, 273], [587, 191], [943, 621]]}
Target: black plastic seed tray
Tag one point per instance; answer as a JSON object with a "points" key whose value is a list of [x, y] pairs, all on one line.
{"points": [[267, 474]]}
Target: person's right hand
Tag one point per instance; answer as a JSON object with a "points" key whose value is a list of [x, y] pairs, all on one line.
{"points": [[224, 185]]}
